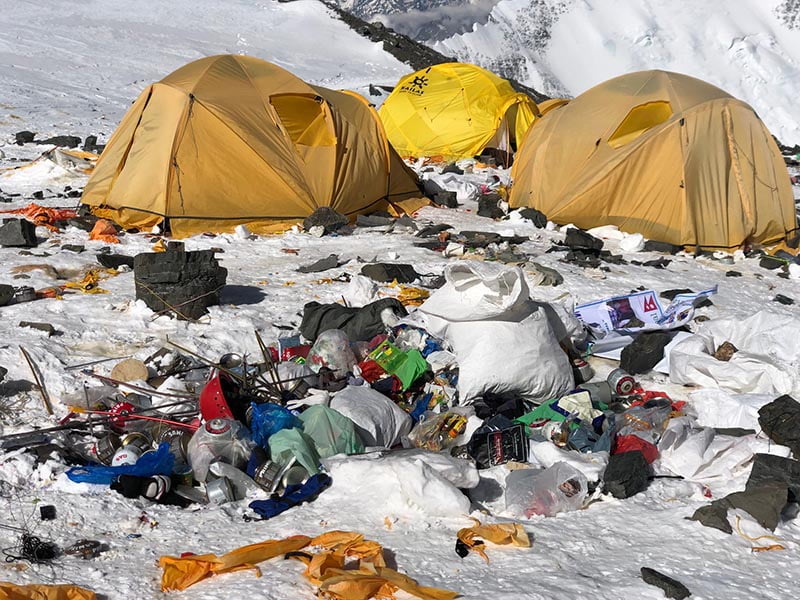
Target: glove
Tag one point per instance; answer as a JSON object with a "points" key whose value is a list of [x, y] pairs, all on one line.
{"points": [[314, 397]]}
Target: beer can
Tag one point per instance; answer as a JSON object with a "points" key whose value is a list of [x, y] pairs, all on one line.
{"points": [[267, 475], [621, 382], [219, 491], [127, 455], [138, 440], [582, 370], [105, 447]]}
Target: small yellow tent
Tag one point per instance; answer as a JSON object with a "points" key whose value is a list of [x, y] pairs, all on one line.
{"points": [[455, 110], [228, 140], [662, 154]]}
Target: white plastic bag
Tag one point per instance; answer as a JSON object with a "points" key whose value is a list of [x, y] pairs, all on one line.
{"points": [[378, 420], [529, 492], [767, 361], [332, 349], [503, 340]]}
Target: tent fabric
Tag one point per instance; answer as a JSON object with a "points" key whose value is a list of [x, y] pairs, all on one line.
{"points": [[228, 140], [662, 154], [454, 110]]}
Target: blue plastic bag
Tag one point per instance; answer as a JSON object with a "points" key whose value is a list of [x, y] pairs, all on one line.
{"points": [[268, 419], [159, 462]]}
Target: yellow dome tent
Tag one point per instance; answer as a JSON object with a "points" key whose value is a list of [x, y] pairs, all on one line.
{"points": [[455, 110], [228, 140], [662, 154]]}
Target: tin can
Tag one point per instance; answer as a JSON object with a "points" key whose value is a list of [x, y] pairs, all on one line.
{"points": [[127, 455], [621, 382], [219, 491], [183, 474], [105, 447], [294, 475], [178, 440], [267, 475], [600, 391], [581, 370], [138, 440]]}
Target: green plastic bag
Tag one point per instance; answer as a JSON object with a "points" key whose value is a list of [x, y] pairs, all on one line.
{"points": [[331, 432], [288, 443]]}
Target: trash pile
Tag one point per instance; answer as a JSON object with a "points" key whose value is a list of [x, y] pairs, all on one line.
{"points": [[480, 379]]}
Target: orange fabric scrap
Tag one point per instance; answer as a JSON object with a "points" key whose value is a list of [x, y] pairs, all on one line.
{"points": [[104, 231], [501, 534], [36, 591], [182, 572], [42, 215]]}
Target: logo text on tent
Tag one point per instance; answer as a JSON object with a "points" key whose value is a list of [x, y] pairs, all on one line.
{"points": [[416, 86]]}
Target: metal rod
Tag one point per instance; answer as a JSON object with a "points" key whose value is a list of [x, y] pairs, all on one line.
{"points": [[39, 382]]}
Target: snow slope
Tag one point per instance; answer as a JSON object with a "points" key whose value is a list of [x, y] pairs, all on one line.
{"points": [[750, 48], [75, 67]]}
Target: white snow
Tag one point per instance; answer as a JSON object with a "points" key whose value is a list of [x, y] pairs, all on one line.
{"points": [[564, 47], [73, 69]]}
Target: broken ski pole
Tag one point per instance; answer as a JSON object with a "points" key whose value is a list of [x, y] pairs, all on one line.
{"points": [[136, 388], [39, 381]]}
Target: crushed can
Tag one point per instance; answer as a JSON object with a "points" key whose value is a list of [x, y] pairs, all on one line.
{"points": [[219, 491], [267, 475], [127, 455]]}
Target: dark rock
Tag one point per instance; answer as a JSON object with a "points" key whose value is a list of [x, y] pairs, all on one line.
{"points": [[327, 218], [74, 194], [91, 145], [114, 261], [6, 293], [732, 274], [666, 248], [626, 475], [18, 233], [785, 300], [373, 221], [186, 283], [323, 264], [3, 373], [452, 168], [38, 195], [66, 141], [771, 263], [538, 217], [699, 303], [84, 223], [725, 351], [24, 137], [46, 327], [445, 198], [577, 239], [388, 272], [433, 230], [478, 239], [645, 352], [780, 420], [769, 469], [488, 206], [76, 248], [672, 587], [406, 221]]}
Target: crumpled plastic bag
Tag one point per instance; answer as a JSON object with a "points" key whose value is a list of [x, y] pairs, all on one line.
{"points": [[378, 420], [182, 572], [159, 462], [560, 488], [289, 444], [332, 349], [332, 432], [501, 534], [38, 591], [234, 448], [268, 419]]}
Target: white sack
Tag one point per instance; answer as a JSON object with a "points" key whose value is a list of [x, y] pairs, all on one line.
{"points": [[717, 408], [503, 340], [768, 360], [378, 420]]}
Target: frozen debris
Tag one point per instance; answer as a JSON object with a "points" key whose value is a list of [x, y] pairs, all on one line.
{"points": [[177, 281], [672, 587], [645, 352], [388, 272], [18, 233], [115, 261], [327, 218], [323, 264], [6, 293], [46, 327], [445, 198], [785, 300], [489, 206], [780, 420], [537, 217], [725, 351], [627, 474]]}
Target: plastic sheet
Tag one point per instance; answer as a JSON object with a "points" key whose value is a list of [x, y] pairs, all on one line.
{"points": [[530, 492]]}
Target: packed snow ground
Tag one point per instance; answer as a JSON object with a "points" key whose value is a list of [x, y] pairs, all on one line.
{"points": [[593, 553]]}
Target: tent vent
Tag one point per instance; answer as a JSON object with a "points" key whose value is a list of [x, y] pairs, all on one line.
{"points": [[638, 120]]}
